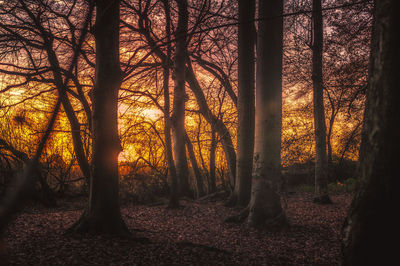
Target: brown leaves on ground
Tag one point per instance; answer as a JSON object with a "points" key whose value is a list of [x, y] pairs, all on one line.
{"points": [[195, 234]]}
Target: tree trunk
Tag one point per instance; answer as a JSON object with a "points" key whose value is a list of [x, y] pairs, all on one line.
{"points": [[246, 82], [195, 167], [217, 123], [213, 186], [265, 208], [174, 190], [103, 215], [321, 179], [178, 116], [370, 232]]}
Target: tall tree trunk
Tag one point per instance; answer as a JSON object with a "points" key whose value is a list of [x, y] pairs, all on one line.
{"points": [[370, 230], [265, 205], [321, 179], [174, 190], [102, 215], [195, 167], [245, 131], [178, 116]]}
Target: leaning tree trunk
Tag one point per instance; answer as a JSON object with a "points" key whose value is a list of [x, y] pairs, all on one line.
{"points": [[102, 215], [245, 131], [265, 205], [178, 116], [370, 232], [195, 167], [216, 122], [321, 163]]}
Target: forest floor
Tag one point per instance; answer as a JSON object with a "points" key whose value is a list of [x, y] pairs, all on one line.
{"points": [[192, 235]]}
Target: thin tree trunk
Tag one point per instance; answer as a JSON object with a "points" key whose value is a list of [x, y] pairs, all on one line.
{"points": [[194, 85], [321, 179], [195, 167], [370, 233], [70, 112], [220, 127], [213, 187], [245, 131], [178, 116], [265, 206], [102, 215]]}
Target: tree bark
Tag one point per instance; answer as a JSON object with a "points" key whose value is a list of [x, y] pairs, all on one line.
{"points": [[321, 179], [178, 115], [195, 167], [174, 190], [265, 208], [246, 87], [102, 215], [370, 232]]}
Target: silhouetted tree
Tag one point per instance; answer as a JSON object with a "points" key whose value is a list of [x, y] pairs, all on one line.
{"points": [[102, 215], [321, 163], [246, 86], [371, 227], [180, 97]]}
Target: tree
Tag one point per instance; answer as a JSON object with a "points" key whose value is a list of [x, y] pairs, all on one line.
{"points": [[245, 131], [178, 115], [102, 215], [43, 42], [321, 163], [371, 226], [174, 197], [265, 205]]}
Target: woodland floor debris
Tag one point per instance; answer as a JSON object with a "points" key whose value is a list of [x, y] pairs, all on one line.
{"points": [[193, 235]]}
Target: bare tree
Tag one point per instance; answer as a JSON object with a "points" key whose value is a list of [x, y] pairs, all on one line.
{"points": [[321, 163], [371, 225], [178, 115], [102, 214], [265, 206], [246, 87]]}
